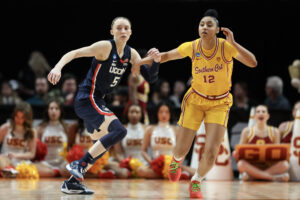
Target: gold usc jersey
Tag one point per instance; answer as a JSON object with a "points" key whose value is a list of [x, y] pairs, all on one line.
{"points": [[211, 69]]}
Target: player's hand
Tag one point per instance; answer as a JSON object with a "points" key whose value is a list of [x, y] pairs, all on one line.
{"points": [[229, 34], [154, 53], [54, 75]]}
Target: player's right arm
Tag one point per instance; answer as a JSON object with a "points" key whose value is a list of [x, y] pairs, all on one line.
{"points": [[184, 50], [100, 50], [171, 55], [165, 56]]}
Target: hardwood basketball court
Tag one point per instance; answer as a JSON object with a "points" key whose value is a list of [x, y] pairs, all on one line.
{"points": [[16, 189]]}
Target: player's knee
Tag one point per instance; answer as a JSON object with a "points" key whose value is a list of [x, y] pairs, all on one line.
{"points": [[116, 133]]}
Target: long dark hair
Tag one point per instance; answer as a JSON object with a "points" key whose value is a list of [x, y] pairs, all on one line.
{"points": [[46, 117], [26, 109]]}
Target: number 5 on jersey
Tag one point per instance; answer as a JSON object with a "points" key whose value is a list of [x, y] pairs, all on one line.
{"points": [[114, 83]]}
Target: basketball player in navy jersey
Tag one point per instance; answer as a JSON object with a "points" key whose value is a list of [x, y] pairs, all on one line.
{"points": [[110, 60]]}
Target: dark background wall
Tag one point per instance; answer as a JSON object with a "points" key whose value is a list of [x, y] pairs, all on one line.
{"points": [[267, 28]]}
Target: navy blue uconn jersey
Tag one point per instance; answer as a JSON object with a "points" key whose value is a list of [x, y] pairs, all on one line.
{"points": [[104, 76]]}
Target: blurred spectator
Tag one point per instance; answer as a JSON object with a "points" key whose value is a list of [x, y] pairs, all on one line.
{"points": [[294, 71], [120, 97], [258, 134], [132, 143], [240, 96], [155, 138], [37, 67], [68, 90], [160, 92], [8, 96], [178, 93], [53, 132], [164, 92], [138, 90], [154, 99], [38, 64], [286, 128], [41, 89], [275, 99], [18, 139]]}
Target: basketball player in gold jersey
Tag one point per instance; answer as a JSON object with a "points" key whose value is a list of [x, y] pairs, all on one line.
{"points": [[208, 98]]}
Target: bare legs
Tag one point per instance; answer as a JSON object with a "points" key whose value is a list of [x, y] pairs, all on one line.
{"points": [[184, 142], [214, 137], [273, 173]]}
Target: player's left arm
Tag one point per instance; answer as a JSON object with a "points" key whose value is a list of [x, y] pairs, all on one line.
{"points": [[244, 55]]}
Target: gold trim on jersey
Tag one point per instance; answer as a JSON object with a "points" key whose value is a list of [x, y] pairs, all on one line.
{"points": [[223, 55], [215, 51], [289, 127], [270, 133], [251, 135]]}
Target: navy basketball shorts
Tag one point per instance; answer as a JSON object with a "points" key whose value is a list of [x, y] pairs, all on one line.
{"points": [[92, 111]]}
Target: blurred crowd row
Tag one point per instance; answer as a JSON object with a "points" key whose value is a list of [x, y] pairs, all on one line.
{"points": [[31, 85], [51, 143]]}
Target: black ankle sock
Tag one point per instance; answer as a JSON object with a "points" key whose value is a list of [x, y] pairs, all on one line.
{"points": [[87, 158]]}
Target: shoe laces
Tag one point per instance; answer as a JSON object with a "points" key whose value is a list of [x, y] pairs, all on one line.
{"points": [[195, 187], [174, 165]]}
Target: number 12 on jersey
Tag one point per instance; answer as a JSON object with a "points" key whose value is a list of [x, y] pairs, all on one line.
{"points": [[209, 78]]}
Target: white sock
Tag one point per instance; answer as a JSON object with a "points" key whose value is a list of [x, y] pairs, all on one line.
{"points": [[196, 177], [177, 159]]}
